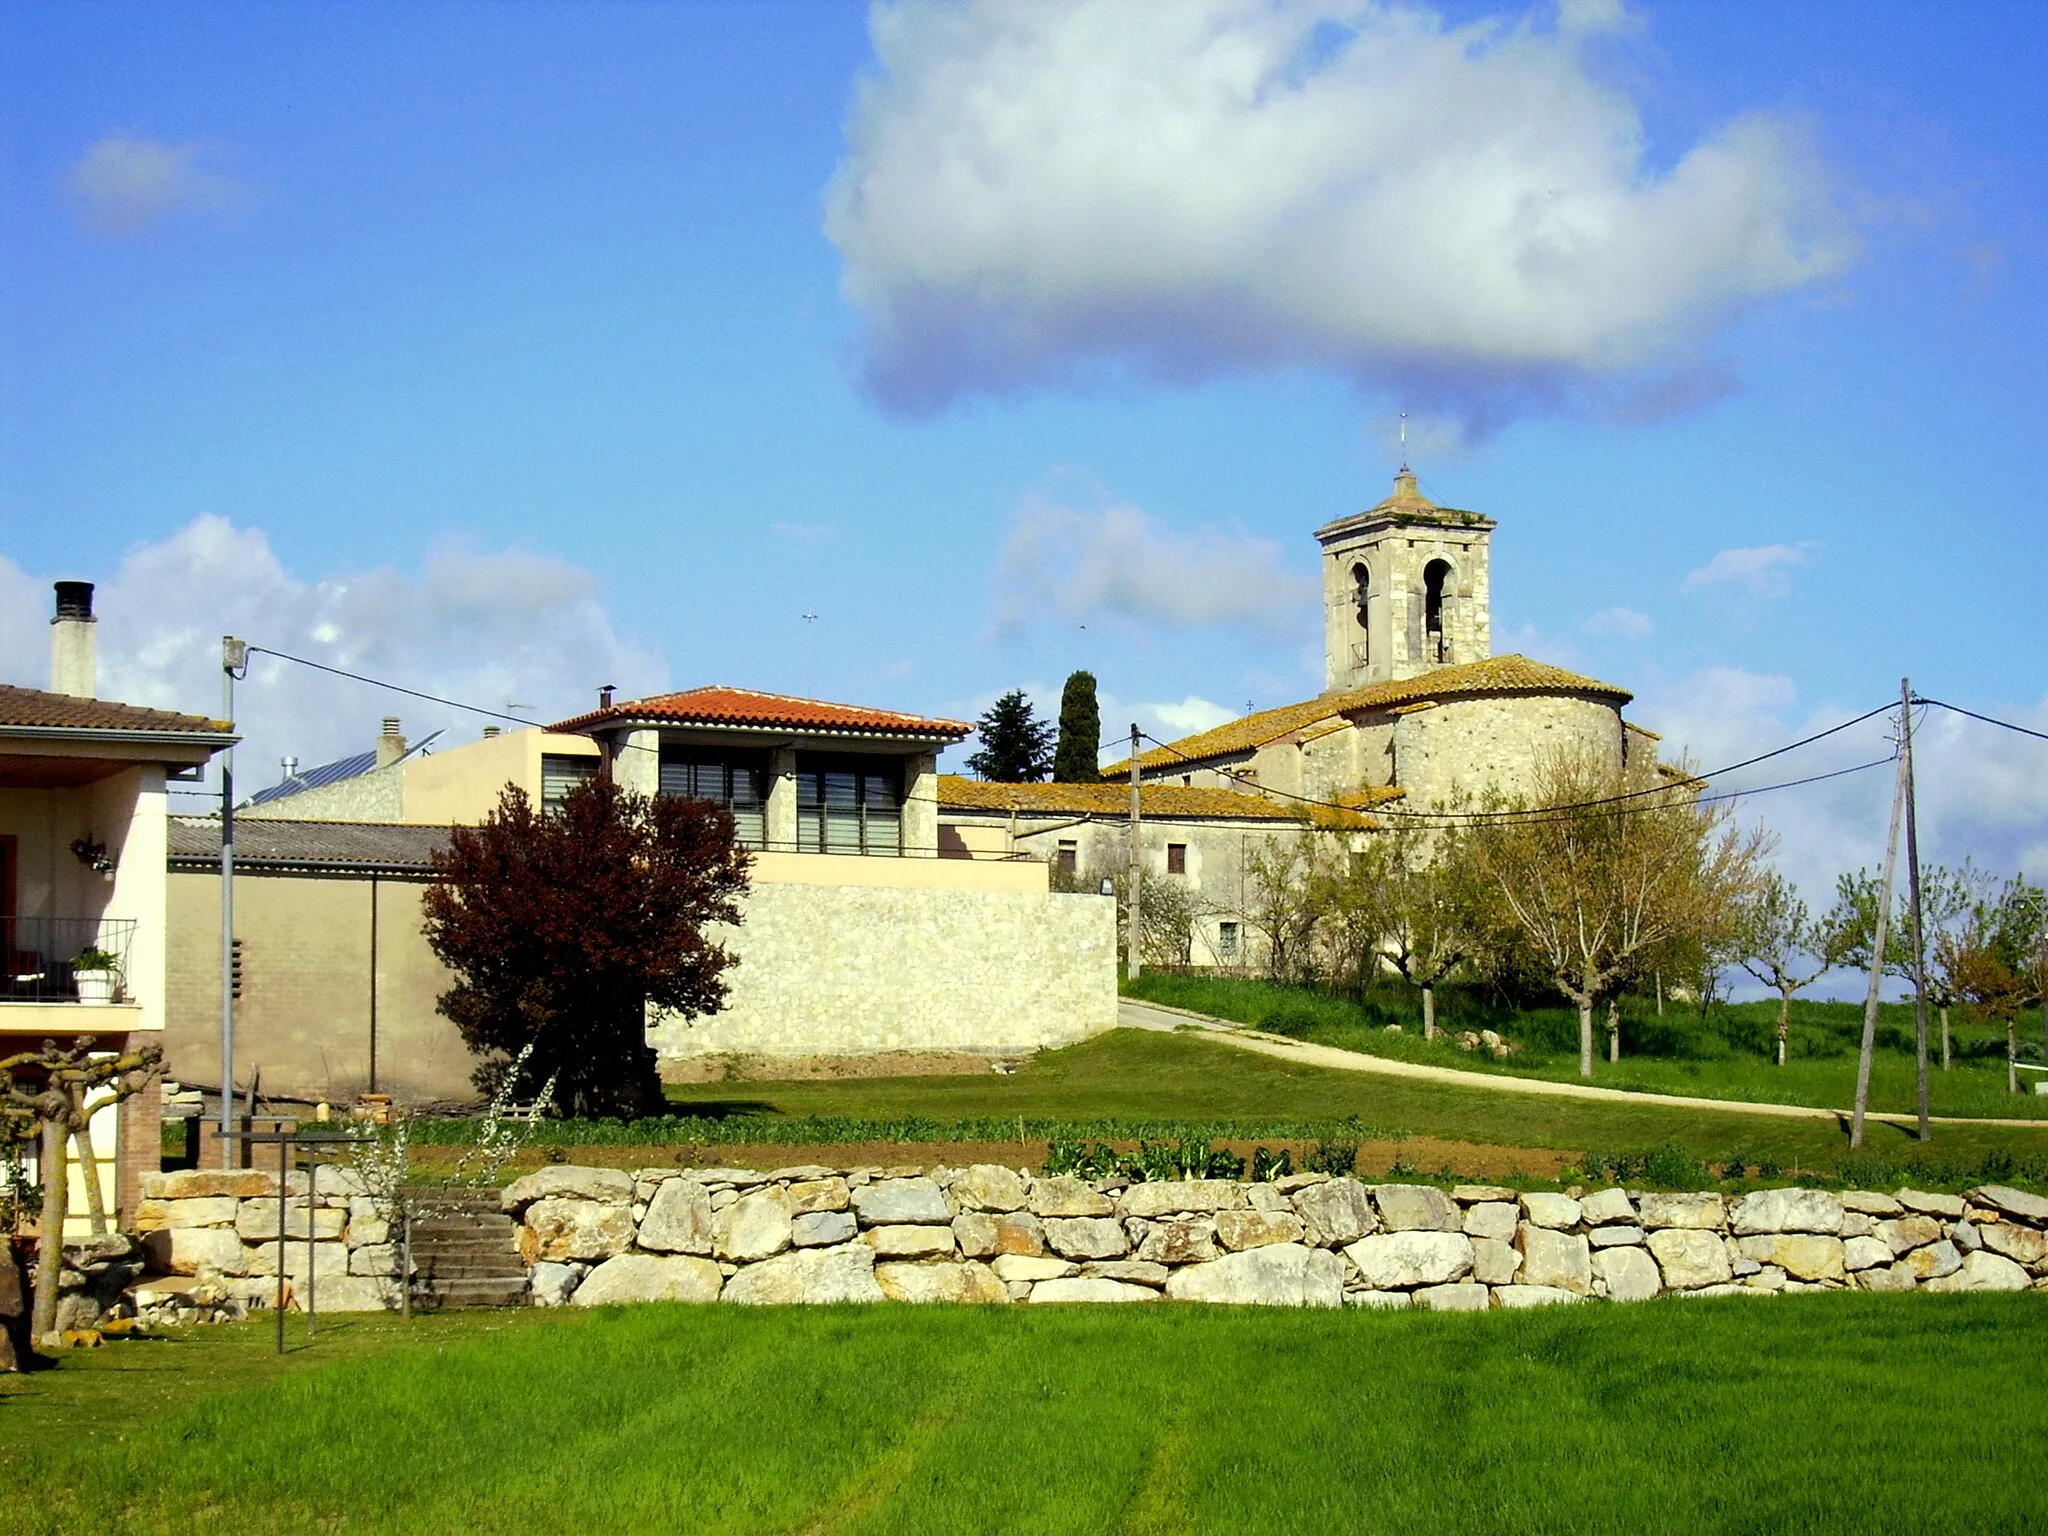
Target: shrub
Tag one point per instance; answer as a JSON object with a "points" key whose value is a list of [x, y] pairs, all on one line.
{"points": [[1337, 1158], [1268, 1166]]}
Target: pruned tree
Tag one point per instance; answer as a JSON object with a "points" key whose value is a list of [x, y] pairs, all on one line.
{"points": [[1016, 746], [1946, 896], [59, 1089], [1594, 886], [1077, 758], [1778, 943], [1168, 906], [1997, 958], [563, 928]]}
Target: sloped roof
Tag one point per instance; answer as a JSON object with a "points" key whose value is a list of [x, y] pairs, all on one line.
{"points": [[1496, 674], [33, 707], [746, 707], [1164, 800], [351, 767], [355, 847]]}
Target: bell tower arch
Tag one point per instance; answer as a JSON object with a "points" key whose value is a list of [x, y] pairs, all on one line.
{"points": [[1405, 589]]}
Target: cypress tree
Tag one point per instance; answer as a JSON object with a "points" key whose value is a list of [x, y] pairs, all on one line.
{"points": [[1080, 750], [1016, 746]]}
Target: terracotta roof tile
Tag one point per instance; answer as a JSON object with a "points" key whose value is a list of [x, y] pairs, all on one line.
{"points": [[34, 707], [745, 706], [1497, 674], [1164, 800]]}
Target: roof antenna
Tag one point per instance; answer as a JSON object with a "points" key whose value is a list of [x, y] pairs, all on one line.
{"points": [[1404, 442]]}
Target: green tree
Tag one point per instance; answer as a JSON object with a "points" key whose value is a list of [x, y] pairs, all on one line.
{"points": [[1998, 957], [1781, 946], [1076, 759], [1016, 746], [561, 929]]}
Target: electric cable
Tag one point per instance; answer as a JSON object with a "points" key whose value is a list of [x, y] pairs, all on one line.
{"points": [[1987, 719]]}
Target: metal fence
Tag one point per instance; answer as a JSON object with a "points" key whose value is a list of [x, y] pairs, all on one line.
{"points": [[42, 953]]}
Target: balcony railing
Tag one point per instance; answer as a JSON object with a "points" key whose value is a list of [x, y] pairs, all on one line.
{"points": [[41, 954]]}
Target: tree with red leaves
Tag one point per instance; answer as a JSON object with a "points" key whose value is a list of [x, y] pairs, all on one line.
{"points": [[562, 926]]}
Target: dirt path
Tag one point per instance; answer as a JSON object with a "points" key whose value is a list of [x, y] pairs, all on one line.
{"points": [[1141, 1015]]}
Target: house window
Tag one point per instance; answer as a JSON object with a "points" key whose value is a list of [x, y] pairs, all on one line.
{"points": [[1070, 855], [560, 775], [1226, 941], [1176, 858], [734, 781], [849, 805]]}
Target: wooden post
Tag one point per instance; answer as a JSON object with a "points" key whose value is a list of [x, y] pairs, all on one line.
{"points": [[1136, 877], [1913, 890], [1881, 930]]}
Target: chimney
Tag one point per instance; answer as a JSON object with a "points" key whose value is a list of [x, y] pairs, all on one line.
{"points": [[74, 642], [390, 744], [604, 696]]}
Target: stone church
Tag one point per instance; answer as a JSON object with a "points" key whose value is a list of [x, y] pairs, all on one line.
{"points": [[1415, 706]]}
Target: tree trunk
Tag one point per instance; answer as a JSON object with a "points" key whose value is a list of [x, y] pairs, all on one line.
{"points": [[2012, 1054], [89, 1165], [1586, 1037], [1614, 1029], [1429, 1013], [1784, 1023], [1660, 994], [1948, 1055], [56, 1207]]}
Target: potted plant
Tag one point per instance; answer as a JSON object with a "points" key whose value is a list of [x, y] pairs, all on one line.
{"points": [[96, 973]]}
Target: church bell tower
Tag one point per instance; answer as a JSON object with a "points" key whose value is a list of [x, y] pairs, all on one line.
{"points": [[1405, 590]]}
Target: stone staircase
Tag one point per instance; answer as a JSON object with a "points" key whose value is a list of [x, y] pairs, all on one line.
{"points": [[468, 1258]]}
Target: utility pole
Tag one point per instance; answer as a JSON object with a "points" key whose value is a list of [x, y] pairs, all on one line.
{"points": [[1136, 877], [234, 663], [1913, 889], [1880, 931]]}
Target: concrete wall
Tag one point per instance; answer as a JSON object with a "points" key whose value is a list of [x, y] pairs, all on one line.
{"points": [[309, 989], [843, 970], [378, 795]]}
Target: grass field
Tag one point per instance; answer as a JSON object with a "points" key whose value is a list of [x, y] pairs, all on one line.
{"points": [[1133, 1082], [1815, 1414], [1725, 1055]]}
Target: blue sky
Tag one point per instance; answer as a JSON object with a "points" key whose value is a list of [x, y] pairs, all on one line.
{"points": [[510, 350]]}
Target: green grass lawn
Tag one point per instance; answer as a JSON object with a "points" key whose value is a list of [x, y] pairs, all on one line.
{"points": [[1137, 1082], [1726, 1055], [1814, 1414]]}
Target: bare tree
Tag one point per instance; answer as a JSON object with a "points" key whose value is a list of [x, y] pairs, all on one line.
{"points": [[1781, 946], [65, 1088], [1426, 905], [1594, 886], [1279, 899]]}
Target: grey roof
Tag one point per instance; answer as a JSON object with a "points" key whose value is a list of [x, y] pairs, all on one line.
{"points": [[314, 847], [331, 773]]}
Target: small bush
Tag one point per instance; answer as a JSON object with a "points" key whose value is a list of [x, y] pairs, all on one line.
{"points": [[1292, 1020], [1224, 1164], [1337, 1158], [1268, 1166]]}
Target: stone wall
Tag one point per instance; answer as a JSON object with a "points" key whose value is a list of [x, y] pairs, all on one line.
{"points": [[846, 969], [219, 1227], [991, 1234]]}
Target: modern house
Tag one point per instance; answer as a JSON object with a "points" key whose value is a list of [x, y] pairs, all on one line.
{"points": [[857, 937], [84, 888]]}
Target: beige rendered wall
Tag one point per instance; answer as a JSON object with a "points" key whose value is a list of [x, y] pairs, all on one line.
{"points": [[460, 786], [304, 1017], [846, 970]]}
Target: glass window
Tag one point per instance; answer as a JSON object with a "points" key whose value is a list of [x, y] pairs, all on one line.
{"points": [[1226, 941], [560, 775], [735, 781], [849, 805]]}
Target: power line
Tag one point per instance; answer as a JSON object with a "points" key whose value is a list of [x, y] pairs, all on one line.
{"points": [[378, 682], [1987, 719]]}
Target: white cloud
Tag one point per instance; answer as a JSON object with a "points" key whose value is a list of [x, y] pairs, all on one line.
{"points": [[1763, 570], [1119, 562], [1620, 624], [1206, 186], [485, 628], [127, 187]]}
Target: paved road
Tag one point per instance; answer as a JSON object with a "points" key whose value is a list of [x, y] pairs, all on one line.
{"points": [[1137, 1015]]}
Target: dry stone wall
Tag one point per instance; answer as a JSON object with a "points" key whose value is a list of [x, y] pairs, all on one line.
{"points": [[220, 1228], [593, 1236]]}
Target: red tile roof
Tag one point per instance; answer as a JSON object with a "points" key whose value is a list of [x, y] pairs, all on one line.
{"points": [[35, 708], [775, 711]]}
